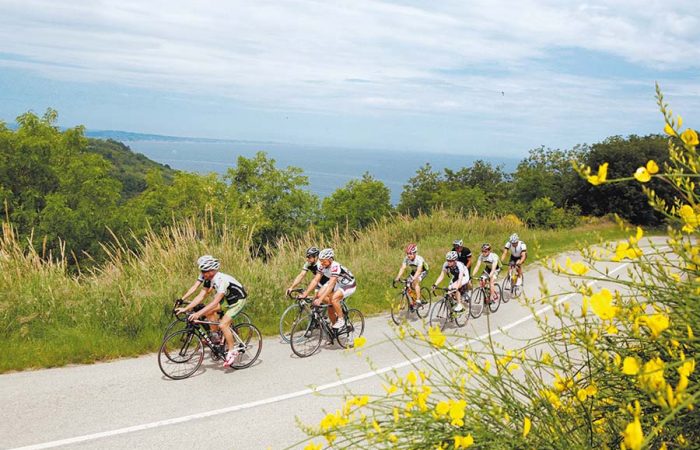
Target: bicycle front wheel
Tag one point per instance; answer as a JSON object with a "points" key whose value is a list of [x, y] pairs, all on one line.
{"points": [[426, 299], [495, 300], [173, 327], [440, 314], [306, 335], [180, 355], [519, 284], [507, 288], [289, 316], [247, 340], [400, 309], [476, 303], [354, 327]]}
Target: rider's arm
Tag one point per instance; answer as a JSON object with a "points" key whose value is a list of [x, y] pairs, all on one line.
{"points": [[326, 289], [191, 290], [475, 272], [297, 280], [439, 278], [403, 267], [312, 285], [523, 254], [211, 306], [505, 251], [197, 300]]}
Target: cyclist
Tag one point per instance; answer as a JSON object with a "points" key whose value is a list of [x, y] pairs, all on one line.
{"points": [[419, 269], [311, 265], [226, 288], [465, 255], [460, 277], [491, 265], [518, 252], [341, 285]]}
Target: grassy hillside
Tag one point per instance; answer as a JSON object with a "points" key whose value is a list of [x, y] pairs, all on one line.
{"points": [[53, 318]]}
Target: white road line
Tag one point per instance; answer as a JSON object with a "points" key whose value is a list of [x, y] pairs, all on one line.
{"points": [[301, 393]]}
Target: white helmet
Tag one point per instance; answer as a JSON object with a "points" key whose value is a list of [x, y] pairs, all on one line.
{"points": [[207, 263], [326, 253], [451, 256], [458, 243], [514, 238]]}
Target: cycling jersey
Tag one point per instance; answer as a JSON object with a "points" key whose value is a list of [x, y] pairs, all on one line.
{"points": [[314, 269], [205, 283], [345, 278], [457, 271], [516, 250], [229, 286], [464, 255], [490, 261], [417, 262]]}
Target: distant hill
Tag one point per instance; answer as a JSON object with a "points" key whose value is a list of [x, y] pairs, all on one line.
{"points": [[129, 167], [131, 136]]}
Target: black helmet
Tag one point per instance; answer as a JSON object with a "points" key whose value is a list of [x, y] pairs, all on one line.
{"points": [[312, 251]]}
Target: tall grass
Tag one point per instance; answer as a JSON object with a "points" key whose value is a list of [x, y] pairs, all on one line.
{"points": [[52, 316]]}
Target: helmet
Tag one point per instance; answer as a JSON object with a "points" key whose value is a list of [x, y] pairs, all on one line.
{"points": [[486, 246], [207, 263], [326, 253], [411, 248], [451, 256], [514, 238], [458, 243], [312, 251]]}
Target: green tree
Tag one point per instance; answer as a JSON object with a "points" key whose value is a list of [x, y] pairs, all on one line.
{"points": [[358, 203], [418, 193]]}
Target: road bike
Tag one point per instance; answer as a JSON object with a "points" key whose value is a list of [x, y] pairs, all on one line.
{"points": [[483, 293], [310, 329], [512, 283], [178, 324], [404, 303], [443, 310], [294, 311], [182, 352]]}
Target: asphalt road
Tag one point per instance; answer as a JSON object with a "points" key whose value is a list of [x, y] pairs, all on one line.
{"points": [[128, 403]]}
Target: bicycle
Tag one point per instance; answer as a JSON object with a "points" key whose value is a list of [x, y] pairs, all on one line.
{"points": [[513, 283], [405, 302], [293, 313], [182, 352], [241, 317], [483, 293], [309, 330], [444, 312]]}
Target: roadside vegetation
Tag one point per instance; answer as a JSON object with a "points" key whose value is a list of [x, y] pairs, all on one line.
{"points": [[614, 366]]}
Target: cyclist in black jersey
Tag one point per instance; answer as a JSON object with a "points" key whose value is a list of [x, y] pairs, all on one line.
{"points": [[464, 255], [310, 266]]}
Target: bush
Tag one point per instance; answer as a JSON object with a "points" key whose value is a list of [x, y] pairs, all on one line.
{"points": [[543, 213]]}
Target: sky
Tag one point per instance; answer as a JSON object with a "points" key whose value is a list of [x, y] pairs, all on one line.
{"points": [[467, 77]]}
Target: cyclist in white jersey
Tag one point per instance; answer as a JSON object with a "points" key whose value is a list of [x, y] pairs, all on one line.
{"points": [[341, 285], [491, 265], [459, 274], [518, 252], [419, 269], [310, 266], [229, 298]]}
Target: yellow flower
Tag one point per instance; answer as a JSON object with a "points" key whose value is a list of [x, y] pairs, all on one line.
{"points": [[625, 250], [546, 358], [652, 377], [601, 303], [591, 390], [690, 138], [669, 130], [436, 337], [313, 446], [376, 426], [634, 437], [630, 366], [657, 323], [457, 412], [578, 267], [360, 342], [600, 178], [393, 438], [390, 389], [411, 378], [612, 329], [687, 368], [442, 408], [396, 415], [652, 167], [689, 217], [582, 395], [526, 426], [642, 175], [690, 332], [464, 441]]}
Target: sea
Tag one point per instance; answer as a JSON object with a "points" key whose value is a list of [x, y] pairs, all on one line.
{"points": [[327, 168]]}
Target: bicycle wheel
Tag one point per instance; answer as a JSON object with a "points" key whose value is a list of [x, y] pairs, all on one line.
{"points": [[440, 314], [173, 327], [507, 289], [400, 309], [240, 318], [519, 284], [354, 327], [248, 341], [495, 300], [180, 355], [476, 303], [289, 316], [306, 335], [426, 298]]}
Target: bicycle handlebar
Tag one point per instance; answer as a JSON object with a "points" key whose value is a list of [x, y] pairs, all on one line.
{"points": [[294, 291]]}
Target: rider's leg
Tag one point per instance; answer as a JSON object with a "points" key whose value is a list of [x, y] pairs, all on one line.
{"points": [[336, 309], [415, 284], [213, 316], [225, 328]]}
